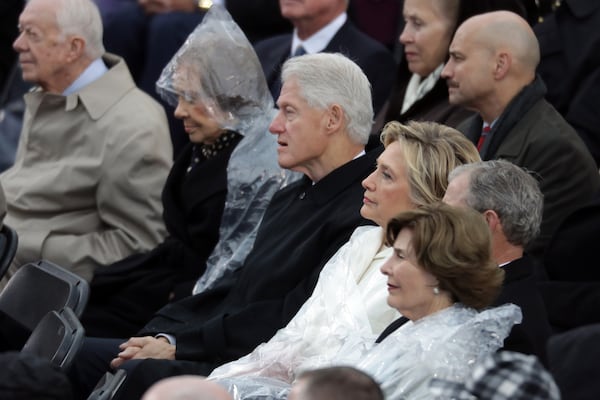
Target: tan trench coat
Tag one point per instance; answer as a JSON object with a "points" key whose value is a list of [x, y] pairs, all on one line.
{"points": [[85, 189]]}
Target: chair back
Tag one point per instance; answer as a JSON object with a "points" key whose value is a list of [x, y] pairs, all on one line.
{"points": [[108, 385], [57, 338], [574, 361], [570, 251], [8, 247], [40, 287]]}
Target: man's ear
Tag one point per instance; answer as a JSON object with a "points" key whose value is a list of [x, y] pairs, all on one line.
{"points": [[335, 118], [503, 64], [493, 220], [76, 48]]}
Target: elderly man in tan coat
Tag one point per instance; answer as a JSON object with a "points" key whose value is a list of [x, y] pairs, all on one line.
{"points": [[94, 151]]}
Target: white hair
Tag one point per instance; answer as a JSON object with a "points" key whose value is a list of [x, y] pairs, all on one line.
{"points": [[332, 78], [82, 17]]}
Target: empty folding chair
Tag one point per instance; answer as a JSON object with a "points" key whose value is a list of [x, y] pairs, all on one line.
{"points": [[57, 337], [574, 361], [33, 291], [108, 385]]}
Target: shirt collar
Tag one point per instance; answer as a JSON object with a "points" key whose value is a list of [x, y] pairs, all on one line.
{"points": [[95, 70], [102, 94], [319, 40], [360, 154], [223, 141]]}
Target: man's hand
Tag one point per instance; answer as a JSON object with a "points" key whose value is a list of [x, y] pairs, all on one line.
{"points": [[144, 347]]}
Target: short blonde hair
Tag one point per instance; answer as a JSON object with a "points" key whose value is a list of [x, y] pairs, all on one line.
{"points": [[431, 151]]}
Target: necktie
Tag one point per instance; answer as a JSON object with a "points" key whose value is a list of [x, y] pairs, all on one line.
{"points": [[484, 133], [299, 51]]}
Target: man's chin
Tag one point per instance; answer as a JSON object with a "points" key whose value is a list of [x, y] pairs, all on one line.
{"points": [[284, 162], [454, 100], [28, 76]]}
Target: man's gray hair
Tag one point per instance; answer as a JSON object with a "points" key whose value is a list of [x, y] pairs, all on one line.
{"points": [[81, 17], [332, 78], [508, 190]]}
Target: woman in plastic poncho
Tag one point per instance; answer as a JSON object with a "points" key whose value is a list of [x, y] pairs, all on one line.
{"points": [[218, 188]]}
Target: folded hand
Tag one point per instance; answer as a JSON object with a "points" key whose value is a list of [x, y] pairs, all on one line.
{"points": [[144, 347]]}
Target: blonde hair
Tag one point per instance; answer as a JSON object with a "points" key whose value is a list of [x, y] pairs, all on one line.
{"points": [[430, 151]]}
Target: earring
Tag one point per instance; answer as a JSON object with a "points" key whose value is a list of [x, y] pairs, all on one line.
{"points": [[436, 290]]}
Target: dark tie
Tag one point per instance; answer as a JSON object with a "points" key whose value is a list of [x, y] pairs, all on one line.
{"points": [[486, 129], [299, 51]]}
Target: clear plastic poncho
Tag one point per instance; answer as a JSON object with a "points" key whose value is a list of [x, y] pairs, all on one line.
{"points": [[349, 301], [446, 345], [218, 68]]}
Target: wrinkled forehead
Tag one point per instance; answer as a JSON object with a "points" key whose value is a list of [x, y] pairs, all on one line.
{"points": [[41, 13]]}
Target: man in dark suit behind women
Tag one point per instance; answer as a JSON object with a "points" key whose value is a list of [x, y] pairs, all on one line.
{"points": [[492, 70], [323, 26], [322, 126], [511, 202]]}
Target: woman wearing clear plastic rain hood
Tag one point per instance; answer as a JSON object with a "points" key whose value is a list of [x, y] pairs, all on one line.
{"points": [[218, 188]]}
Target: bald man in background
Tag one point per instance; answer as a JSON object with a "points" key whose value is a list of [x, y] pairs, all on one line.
{"points": [[335, 383], [491, 70], [186, 387]]}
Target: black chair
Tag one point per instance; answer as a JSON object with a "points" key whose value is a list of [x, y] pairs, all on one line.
{"points": [[574, 361], [33, 291], [8, 247], [108, 385], [571, 252], [58, 337]]}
